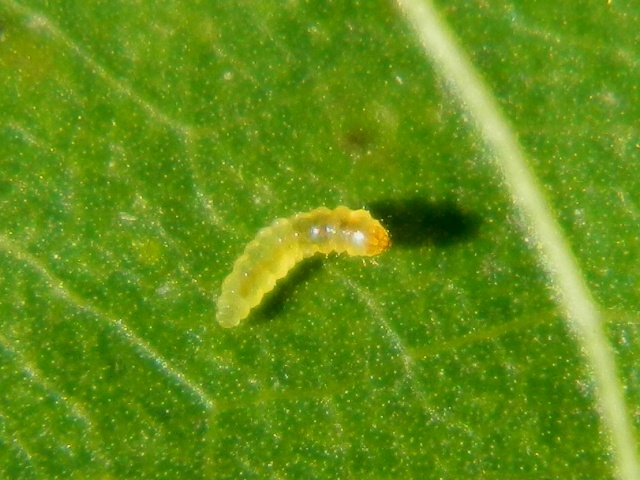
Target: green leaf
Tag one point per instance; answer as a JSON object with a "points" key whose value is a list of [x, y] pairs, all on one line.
{"points": [[142, 145]]}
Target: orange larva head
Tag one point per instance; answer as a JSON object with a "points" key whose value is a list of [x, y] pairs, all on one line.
{"points": [[366, 237], [376, 239], [380, 239]]}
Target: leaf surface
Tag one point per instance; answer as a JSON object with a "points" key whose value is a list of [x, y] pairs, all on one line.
{"points": [[143, 145]]}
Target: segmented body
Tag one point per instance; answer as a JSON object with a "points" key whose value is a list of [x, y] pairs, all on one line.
{"points": [[277, 248]]}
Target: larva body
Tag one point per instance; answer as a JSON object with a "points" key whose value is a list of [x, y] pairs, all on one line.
{"points": [[277, 248]]}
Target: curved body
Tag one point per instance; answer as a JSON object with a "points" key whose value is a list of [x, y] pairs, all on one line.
{"points": [[277, 248]]}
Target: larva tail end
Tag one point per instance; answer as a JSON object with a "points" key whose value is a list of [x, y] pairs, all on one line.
{"points": [[228, 316]]}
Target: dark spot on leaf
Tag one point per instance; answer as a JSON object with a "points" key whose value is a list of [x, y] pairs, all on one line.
{"points": [[358, 139], [5, 188]]}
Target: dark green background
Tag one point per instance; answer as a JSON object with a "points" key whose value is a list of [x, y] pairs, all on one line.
{"points": [[142, 145]]}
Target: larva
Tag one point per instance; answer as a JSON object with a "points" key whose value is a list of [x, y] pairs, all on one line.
{"points": [[277, 248]]}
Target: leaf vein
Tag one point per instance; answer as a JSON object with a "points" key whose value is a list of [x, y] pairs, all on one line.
{"points": [[38, 21], [137, 343], [583, 315]]}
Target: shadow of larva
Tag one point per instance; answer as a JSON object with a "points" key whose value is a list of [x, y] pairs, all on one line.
{"points": [[274, 302], [414, 222]]}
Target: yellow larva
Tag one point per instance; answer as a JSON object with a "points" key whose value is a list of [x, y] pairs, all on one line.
{"points": [[277, 248]]}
